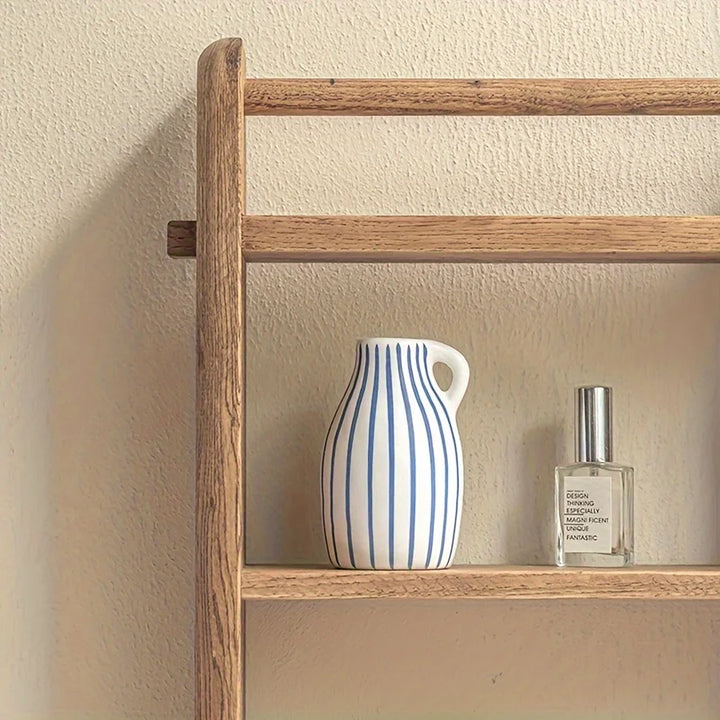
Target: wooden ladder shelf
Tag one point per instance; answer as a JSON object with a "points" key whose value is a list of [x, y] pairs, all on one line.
{"points": [[224, 239]]}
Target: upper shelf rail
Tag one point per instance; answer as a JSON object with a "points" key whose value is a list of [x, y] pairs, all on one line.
{"points": [[573, 96], [467, 238]]}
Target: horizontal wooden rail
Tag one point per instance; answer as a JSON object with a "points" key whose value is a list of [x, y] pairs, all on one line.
{"points": [[330, 96], [459, 238], [479, 582]]}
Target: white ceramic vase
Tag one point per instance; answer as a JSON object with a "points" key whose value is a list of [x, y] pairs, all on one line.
{"points": [[392, 467]]}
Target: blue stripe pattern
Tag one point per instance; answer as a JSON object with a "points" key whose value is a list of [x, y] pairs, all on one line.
{"points": [[432, 457], [456, 514], [349, 458], [344, 405], [371, 447], [388, 477], [425, 372], [391, 458], [413, 459]]}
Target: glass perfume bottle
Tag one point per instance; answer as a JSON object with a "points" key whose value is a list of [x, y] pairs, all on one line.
{"points": [[594, 497]]}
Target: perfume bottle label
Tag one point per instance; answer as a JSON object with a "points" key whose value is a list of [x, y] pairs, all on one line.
{"points": [[587, 515]]}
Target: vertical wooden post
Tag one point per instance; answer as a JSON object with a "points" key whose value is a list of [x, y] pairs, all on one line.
{"points": [[220, 376]]}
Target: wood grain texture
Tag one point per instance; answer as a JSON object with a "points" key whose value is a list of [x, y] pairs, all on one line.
{"points": [[181, 238], [219, 524], [471, 239], [331, 96], [482, 582]]}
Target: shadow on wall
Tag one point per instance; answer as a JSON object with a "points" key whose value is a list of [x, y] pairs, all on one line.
{"points": [[463, 659], [533, 517], [121, 415]]}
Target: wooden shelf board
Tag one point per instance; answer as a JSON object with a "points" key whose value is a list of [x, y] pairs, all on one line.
{"points": [[496, 96], [270, 582], [465, 238]]}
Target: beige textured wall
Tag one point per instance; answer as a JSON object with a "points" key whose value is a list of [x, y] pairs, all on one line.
{"points": [[96, 356]]}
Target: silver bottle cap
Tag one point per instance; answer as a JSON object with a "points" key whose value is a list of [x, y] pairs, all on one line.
{"points": [[593, 424]]}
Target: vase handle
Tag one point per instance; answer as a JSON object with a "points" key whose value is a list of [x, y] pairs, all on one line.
{"points": [[440, 353]]}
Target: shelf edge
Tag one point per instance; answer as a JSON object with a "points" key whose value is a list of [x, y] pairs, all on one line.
{"points": [[483, 582]]}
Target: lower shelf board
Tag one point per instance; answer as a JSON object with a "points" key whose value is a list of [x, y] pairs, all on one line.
{"points": [[651, 582]]}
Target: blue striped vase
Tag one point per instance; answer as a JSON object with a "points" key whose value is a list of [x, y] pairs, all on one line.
{"points": [[392, 467]]}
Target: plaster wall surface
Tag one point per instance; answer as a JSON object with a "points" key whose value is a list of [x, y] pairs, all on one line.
{"points": [[97, 356]]}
